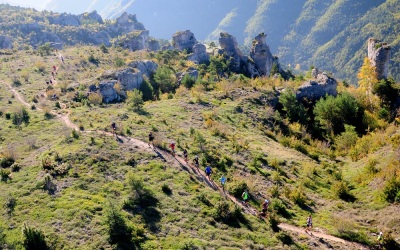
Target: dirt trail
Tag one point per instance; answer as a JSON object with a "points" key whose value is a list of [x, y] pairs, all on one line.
{"points": [[198, 172]]}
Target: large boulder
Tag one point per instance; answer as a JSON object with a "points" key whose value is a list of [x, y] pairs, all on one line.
{"points": [[261, 55], [315, 89], [184, 40], [379, 56], [146, 67], [108, 91], [129, 78], [5, 42], [199, 54], [153, 44]]}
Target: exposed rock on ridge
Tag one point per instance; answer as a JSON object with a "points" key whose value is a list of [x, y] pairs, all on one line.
{"points": [[379, 56], [262, 56], [185, 40], [315, 89]]}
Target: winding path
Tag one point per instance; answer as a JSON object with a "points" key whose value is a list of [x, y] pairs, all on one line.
{"points": [[186, 166]]}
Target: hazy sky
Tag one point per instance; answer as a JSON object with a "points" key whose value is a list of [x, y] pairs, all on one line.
{"points": [[37, 4]]}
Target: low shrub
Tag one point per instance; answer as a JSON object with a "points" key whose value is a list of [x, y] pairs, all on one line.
{"points": [[285, 238], [4, 174], [279, 207], [391, 191], [34, 239], [237, 189], [342, 191], [9, 205], [166, 189]]}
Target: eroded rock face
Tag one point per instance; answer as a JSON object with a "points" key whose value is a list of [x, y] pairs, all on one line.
{"points": [[261, 55], [184, 40], [193, 73], [128, 78], [64, 19], [5, 42], [136, 40], [314, 90], [230, 48], [199, 54], [108, 91], [90, 17], [128, 23], [379, 56], [146, 67], [100, 37]]}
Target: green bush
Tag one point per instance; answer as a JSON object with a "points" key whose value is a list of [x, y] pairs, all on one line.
{"points": [[135, 99], [166, 189], [165, 79], [34, 239], [119, 62], [342, 191], [20, 116], [298, 197], [391, 190], [9, 205], [147, 90], [237, 189], [7, 161], [285, 238], [274, 222], [294, 110], [4, 174], [279, 207], [188, 81]]}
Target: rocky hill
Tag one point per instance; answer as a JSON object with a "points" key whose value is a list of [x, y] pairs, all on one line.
{"points": [[327, 34]]}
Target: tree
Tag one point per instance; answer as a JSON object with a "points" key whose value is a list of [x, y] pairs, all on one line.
{"points": [[188, 81], [295, 111], [147, 90], [165, 78], [367, 81], [333, 112], [135, 98]]}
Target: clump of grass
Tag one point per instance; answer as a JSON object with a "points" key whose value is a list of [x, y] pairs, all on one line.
{"points": [[166, 189], [34, 238]]}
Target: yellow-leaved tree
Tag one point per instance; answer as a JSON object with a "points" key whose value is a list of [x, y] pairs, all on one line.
{"points": [[367, 79]]}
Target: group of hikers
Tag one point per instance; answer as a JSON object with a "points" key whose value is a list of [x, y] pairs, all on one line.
{"points": [[245, 195]]}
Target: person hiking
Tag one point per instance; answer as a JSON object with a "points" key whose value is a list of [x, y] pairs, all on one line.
{"points": [[208, 171], [245, 197], [223, 181], [379, 240], [264, 207], [185, 155], [196, 161], [151, 139], [114, 128], [172, 146], [309, 224]]}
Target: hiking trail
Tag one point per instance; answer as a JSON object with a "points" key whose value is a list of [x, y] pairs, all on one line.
{"points": [[200, 174]]}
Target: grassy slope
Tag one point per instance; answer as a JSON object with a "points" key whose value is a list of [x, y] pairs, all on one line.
{"points": [[97, 170]]}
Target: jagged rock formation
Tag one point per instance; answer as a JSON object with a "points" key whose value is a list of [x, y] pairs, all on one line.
{"points": [[230, 49], [128, 78], [199, 54], [314, 90], [135, 40], [128, 23], [262, 56], [379, 56], [193, 73], [185, 40], [5, 42]]}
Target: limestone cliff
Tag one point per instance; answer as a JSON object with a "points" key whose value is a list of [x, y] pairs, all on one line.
{"points": [[379, 56]]}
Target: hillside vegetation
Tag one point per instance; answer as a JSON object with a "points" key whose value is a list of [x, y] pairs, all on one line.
{"points": [[336, 158]]}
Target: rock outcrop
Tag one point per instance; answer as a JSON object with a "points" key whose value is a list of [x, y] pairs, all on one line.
{"points": [[314, 90], [230, 49], [262, 56], [193, 73], [129, 78], [127, 23], [90, 17], [136, 40], [146, 67], [379, 56], [184, 40], [199, 54], [64, 19], [100, 37], [108, 91], [5, 42]]}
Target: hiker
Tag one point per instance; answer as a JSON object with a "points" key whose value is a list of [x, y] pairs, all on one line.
{"points": [[172, 146], [223, 181], [208, 171], [151, 139], [54, 68], [114, 128], [196, 161], [185, 155], [309, 224], [379, 240], [264, 207], [245, 197]]}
